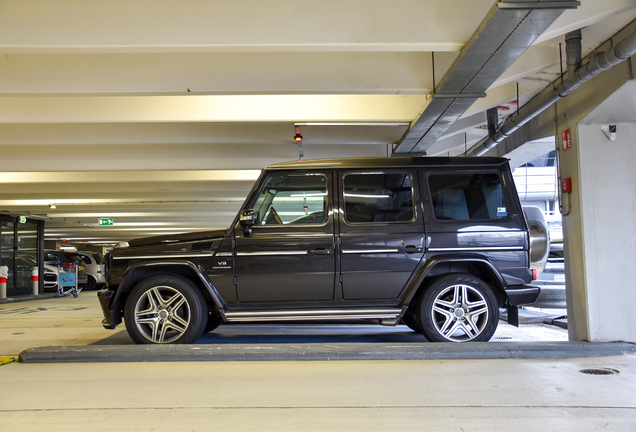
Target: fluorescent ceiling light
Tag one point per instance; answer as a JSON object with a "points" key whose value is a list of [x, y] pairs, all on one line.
{"points": [[127, 177], [386, 124], [367, 196], [90, 201]]}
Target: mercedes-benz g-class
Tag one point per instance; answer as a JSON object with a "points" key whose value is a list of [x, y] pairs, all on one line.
{"points": [[439, 244]]}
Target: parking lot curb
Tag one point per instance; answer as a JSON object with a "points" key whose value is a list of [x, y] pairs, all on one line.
{"points": [[323, 352]]}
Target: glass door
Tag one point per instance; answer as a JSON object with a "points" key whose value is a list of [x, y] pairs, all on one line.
{"points": [[19, 252], [7, 252], [26, 254]]}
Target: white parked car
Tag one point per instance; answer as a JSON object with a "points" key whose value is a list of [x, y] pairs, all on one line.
{"points": [[51, 277], [94, 266]]}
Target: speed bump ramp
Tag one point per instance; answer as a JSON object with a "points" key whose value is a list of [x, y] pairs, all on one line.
{"points": [[5, 360]]}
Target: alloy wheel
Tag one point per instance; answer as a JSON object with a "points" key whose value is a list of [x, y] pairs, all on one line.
{"points": [[460, 313], [162, 314]]}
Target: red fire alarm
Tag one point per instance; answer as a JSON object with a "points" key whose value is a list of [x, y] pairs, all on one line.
{"points": [[566, 185]]}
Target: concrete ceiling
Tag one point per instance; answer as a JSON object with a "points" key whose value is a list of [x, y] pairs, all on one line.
{"points": [[161, 114]]}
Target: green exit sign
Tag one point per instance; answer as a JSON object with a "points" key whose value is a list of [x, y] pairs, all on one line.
{"points": [[105, 221]]}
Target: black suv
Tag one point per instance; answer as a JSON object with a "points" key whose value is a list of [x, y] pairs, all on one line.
{"points": [[437, 243]]}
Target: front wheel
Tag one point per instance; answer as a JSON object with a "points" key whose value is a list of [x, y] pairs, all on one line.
{"points": [[165, 309], [458, 308], [213, 322]]}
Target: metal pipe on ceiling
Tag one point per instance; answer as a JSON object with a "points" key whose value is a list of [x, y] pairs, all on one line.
{"points": [[573, 52], [597, 63]]}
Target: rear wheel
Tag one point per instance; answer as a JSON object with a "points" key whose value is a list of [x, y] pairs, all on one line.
{"points": [[165, 309], [458, 308], [412, 322], [90, 284]]}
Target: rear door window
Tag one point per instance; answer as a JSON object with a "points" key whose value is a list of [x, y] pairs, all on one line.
{"points": [[378, 198]]}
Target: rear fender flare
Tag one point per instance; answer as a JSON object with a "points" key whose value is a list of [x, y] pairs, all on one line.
{"points": [[426, 268]]}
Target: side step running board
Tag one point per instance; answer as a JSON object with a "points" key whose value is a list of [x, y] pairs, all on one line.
{"points": [[384, 316]]}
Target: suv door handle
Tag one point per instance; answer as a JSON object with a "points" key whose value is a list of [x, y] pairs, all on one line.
{"points": [[412, 249], [320, 251]]}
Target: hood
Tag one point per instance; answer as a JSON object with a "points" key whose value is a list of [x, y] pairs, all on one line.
{"points": [[176, 238], [50, 268]]}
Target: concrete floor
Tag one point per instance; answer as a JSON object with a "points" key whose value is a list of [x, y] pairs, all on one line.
{"points": [[70, 321], [448, 395]]}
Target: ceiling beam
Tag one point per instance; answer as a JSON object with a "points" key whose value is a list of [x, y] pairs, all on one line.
{"points": [[136, 26], [195, 108]]}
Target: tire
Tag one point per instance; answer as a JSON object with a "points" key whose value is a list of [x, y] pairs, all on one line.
{"points": [[90, 284], [165, 309], [213, 322], [412, 322], [458, 308]]}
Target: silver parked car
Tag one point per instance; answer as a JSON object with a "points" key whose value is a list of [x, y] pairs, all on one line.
{"points": [[94, 267]]}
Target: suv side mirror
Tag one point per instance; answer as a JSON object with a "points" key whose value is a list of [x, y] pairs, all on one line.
{"points": [[246, 219]]}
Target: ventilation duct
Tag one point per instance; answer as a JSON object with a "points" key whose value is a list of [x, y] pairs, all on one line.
{"points": [[577, 75], [509, 28]]}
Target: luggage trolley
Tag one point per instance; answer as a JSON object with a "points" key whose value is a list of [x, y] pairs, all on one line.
{"points": [[68, 279]]}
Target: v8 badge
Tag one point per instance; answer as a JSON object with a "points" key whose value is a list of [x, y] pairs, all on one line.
{"points": [[221, 265]]}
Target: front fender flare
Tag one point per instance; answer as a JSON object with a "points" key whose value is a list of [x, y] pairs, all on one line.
{"points": [[129, 280]]}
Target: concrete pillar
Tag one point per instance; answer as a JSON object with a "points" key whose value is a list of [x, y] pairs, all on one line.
{"points": [[600, 229]]}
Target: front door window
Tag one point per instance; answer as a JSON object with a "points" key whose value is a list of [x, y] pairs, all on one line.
{"points": [[292, 200]]}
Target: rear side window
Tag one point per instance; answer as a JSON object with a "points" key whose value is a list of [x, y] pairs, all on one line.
{"points": [[378, 197], [99, 258], [464, 197]]}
